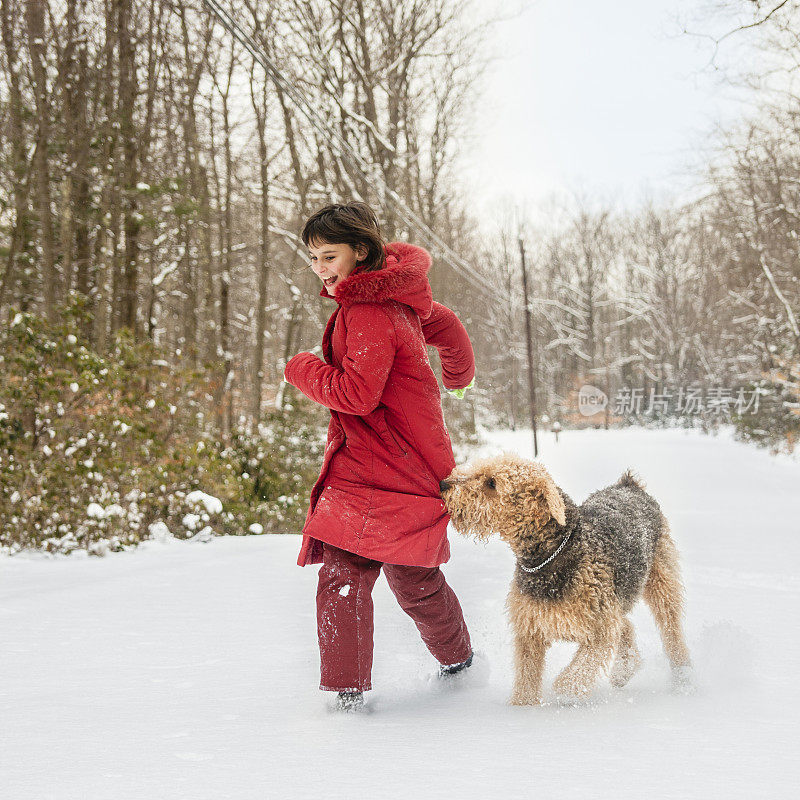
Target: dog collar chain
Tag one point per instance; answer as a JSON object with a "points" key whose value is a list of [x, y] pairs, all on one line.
{"points": [[549, 558]]}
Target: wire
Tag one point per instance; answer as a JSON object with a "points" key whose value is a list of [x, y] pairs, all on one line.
{"points": [[362, 166]]}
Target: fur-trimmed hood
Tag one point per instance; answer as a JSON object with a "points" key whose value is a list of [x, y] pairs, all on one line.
{"points": [[403, 278]]}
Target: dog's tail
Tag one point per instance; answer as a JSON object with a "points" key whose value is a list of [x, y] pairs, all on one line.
{"points": [[631, 479]]}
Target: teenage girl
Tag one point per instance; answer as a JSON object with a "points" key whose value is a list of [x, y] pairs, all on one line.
{"points": [[376, 504]]}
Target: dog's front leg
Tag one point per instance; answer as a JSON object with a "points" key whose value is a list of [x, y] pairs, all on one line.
{"points": [[577, 679], [529, 653]]}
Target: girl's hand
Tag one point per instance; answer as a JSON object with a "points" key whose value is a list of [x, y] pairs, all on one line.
{"points": [[459, 393], [314, 351], [297, 366]]}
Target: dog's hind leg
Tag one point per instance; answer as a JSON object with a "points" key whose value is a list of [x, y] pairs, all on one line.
{"points": [[663, 593], [627, 659]]}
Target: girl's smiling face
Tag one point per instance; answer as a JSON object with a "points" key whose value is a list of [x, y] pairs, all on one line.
{"points": [[332, 263]]}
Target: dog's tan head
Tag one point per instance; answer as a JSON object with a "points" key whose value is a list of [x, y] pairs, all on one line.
{"points": [[506, 495]]}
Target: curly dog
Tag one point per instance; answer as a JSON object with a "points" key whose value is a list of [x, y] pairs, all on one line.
{"points": [[579, 572]]}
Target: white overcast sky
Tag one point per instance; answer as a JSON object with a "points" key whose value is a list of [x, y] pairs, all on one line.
{"points": [[601, 99]]}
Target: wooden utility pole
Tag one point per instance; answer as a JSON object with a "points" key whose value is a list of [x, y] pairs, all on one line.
{"points": [[529, 344]]}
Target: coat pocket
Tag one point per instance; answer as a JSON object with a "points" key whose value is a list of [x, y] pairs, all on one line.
{"points": [[376, 420]]}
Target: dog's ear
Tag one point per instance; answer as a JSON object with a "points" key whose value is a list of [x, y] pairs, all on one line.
{"points": [[555, 502], [544, 501]]}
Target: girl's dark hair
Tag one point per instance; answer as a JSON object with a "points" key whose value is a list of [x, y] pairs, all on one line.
{"points": [[352, 223]]}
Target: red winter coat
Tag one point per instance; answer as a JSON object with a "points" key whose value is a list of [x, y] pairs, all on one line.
{"points": [[378, 491]]}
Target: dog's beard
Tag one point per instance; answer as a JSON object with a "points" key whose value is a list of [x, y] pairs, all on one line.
{"points": [[474, 524]]}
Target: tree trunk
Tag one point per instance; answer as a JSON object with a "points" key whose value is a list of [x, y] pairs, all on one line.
{"points": [[130, 175], [106, 259], [263, 265], [34, 15], [19, 257], [227, 260]]}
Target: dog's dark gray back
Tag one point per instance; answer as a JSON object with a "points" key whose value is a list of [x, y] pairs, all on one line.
{"points": [[616, 527], [620, 527]]}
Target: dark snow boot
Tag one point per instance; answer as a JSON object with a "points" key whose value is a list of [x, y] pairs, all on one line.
{"points": [[349, 702], [446, 670]]}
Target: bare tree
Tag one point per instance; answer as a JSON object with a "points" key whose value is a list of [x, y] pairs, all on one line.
{"points": [[35, 16]]}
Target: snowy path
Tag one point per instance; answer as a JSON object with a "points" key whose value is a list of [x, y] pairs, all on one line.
{"points": [[189, 671]]}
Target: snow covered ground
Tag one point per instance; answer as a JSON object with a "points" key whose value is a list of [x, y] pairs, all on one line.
{"points": [[187, 670]]}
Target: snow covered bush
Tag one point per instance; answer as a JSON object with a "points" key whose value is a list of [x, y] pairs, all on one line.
{"points": [[280, 462], [776, 422], [96, 449]]}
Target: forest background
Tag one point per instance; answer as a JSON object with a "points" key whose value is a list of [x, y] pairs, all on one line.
{"points": [[153, 183]]}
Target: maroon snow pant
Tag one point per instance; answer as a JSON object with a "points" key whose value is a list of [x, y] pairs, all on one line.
{"points": [[345, 618]]}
